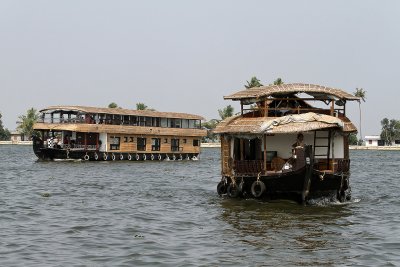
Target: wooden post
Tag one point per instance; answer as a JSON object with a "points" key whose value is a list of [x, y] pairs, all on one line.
{"points": [[265, 153]]}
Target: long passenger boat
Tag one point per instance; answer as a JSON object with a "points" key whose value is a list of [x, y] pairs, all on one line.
{"points": [[90, 133], [281, 146]]}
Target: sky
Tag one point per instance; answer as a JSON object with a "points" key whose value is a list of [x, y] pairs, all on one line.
{"points": [[184, 56]]}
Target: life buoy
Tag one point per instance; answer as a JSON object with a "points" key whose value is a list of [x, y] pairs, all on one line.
{"points": [[129, 157], [221, 188], [137, 157], [113, 157], [152, 157], [86, 157], [144, 156], [159, 157], [105, 156], [257, 188], [233, 190], [121, 156], [96, 157]]}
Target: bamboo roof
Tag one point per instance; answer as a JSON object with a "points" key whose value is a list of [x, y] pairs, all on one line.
{"points": [[286, 124], [121, 111], [292, 88]]}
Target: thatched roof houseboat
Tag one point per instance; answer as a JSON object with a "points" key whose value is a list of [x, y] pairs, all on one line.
{"points": [[288, 141]]}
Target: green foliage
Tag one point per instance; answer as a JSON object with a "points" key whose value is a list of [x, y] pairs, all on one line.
{"points": [[141, 106], [353, 141], [278, 81], [27, 121], [360, 93], [390, 130], [254, 82], [226, 112], [112, 105], [210, 126], [4, 132]]}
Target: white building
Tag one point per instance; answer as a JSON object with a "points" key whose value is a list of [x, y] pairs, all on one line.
{"points": [[372, 140]]}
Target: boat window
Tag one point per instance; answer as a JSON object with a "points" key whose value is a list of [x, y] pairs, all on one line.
{"points": [[156, 122], [141, 144], [114, 143], [131, 139], [148, 121], [164, 122], [142, 121], [126, 139], [175, 123], [155, 144], [174, 144], [134, 120], [185, 123], [196, 142]]}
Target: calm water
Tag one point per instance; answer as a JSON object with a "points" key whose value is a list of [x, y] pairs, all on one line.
{"points": [[168, 214]]}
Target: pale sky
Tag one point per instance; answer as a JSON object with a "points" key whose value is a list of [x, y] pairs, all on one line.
{"points": [[184, 56]]}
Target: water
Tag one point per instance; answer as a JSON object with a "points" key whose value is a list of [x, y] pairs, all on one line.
{"points": [[168, 214]]}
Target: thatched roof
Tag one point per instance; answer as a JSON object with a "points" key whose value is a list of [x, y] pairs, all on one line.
{"points": [[121, 111], [286, 124], [293, 88]]}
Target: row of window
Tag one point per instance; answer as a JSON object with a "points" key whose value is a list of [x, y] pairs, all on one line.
{"points": [[155, 143]]}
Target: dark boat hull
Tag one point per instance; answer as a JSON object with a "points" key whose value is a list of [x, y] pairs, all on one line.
{"points": [[45, 153], [294, 185]]}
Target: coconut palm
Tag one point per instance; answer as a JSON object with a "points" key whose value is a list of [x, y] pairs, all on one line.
{"points": [[254, 82], [362, 95]]}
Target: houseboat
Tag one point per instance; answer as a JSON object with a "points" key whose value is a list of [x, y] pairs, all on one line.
{"points": [[289, 141], [90, 133]]}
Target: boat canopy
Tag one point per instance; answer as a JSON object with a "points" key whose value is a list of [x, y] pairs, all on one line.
{"points": [[316, 91], [286, 124], [119, 111]]}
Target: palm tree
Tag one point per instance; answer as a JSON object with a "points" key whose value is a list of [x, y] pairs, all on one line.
{"points": [[254, 82], [362, 95]]}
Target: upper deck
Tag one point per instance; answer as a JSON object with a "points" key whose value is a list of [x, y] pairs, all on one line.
{"points": [[118, 120]]}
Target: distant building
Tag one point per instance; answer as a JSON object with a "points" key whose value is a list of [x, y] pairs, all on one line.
{"points": [[17, 137], [373, 140]]}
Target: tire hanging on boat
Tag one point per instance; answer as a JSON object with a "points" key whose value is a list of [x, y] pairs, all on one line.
{"points": [[105, 156], [159, 157], [137, 157], [173, 157], [233, 190], [221, 188], [152, 157], [86, 157], [144, 156], [180, 157], [257, 188], [96, 156], [121, 156], [113, 156], [129, 157]]}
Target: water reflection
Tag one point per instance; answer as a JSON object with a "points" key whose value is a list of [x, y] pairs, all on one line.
{"points": [[285, 224]]}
